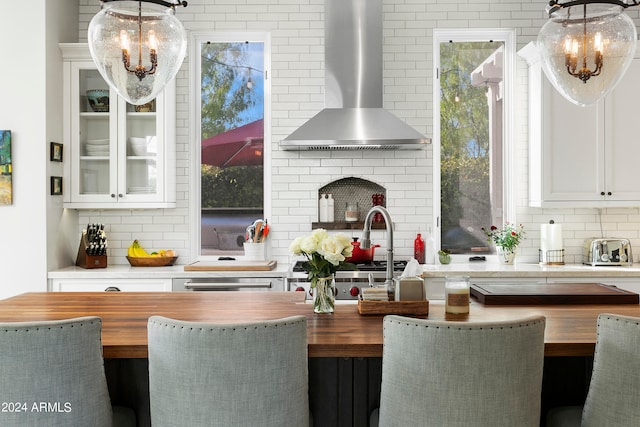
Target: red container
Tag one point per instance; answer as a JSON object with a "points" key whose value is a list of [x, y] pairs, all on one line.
{"points": [[418, 249], [361, 256]]}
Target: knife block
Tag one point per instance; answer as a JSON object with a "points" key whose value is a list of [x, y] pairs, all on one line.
{"points": [[89, 261]]}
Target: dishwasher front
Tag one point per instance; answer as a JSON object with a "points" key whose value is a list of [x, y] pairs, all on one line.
{"points": [[228, 284]]}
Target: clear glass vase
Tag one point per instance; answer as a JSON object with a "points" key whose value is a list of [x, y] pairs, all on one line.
{"points": [[324, 295]]}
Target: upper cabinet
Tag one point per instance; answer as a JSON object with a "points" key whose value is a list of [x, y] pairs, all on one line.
{"points": [[582, 156], [119, 155]]}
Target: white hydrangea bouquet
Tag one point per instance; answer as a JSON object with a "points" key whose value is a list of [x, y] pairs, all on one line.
{"points": [[325, 253]]}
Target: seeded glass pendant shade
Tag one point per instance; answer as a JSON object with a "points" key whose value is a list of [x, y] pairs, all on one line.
{"points": [[586, 48], [137, 46]]}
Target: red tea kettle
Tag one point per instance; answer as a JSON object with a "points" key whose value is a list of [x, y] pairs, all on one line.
{"points": [[361, 256]]}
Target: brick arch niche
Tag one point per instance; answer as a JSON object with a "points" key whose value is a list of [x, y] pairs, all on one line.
{"points": [[351, 189]]}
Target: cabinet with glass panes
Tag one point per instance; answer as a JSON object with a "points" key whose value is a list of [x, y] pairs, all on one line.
{"points": [[120, 155]]}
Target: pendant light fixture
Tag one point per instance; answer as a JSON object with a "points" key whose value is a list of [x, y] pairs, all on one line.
{"points": [[138, 46], [586, 46]]}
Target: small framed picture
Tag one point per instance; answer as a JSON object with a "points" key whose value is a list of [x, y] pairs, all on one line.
{"points": [[56, 185], [56, 152]]}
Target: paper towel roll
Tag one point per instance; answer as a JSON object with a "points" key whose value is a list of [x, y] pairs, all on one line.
{"points": [[551, 237]]}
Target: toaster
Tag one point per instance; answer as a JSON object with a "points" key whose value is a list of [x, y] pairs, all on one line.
{"points": [[607, 251]]}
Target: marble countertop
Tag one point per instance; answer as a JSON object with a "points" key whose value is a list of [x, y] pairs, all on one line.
{"points": [[172, 272], [484, 269], [481, 269]]}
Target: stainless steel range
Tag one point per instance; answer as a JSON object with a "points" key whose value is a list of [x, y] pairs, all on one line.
{"points": [[348, 282]]}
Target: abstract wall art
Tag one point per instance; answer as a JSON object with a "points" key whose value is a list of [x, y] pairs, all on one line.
{"points": [[6, 193]]}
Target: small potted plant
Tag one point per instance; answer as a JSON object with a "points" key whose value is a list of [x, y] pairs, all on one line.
{"points": [[506, 240], [444, 257]]}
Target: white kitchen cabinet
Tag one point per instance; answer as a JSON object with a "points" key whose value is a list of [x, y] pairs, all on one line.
{"points": [[582, 156], [108, 285], [103, 168]]}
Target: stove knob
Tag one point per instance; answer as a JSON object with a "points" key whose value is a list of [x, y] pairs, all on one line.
{"points": [[354, 291], [299, 289]]}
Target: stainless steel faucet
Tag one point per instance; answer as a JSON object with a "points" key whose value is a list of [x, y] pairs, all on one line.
{"points": [[365, 242]]}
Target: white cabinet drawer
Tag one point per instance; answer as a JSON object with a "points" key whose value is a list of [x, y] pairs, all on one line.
{"points": [[105, 285]]}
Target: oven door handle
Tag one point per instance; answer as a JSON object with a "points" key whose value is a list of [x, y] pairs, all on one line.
{"points": [[225, 285]]}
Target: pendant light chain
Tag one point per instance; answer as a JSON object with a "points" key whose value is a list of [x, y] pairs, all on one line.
{"points": [[140, 70]]}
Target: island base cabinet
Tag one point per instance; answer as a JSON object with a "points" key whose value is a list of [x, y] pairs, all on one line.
{"points": [[128, 382], [344, 391], [565, 382]]}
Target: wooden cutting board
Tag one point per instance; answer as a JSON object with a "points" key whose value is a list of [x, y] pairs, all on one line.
{"points": [[552, 293], [231, 266]]}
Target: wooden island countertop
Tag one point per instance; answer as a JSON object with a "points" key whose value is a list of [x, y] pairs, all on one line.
{"points": [[570, 329]]}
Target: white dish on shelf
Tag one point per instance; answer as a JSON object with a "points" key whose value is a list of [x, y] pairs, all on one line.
{"points": [[138, 146], [141, 190], [96, 142], [97, 151]]}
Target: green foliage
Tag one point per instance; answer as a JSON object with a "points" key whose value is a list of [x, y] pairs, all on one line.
{"points": [[5, 147], [226, 102], [464, 136], [236, 186], [223, 99], [507, 237]]}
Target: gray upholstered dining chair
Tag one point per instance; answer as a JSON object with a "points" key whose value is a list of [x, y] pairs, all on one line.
{"points": [[439, 373], [52, 374], [247, 374], [614, 390]]}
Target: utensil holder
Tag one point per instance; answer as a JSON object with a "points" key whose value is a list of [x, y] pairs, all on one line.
{"points": [[85, 260], [254, 251]]}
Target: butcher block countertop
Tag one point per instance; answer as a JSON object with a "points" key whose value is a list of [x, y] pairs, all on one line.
{"points": [[570, 329]]}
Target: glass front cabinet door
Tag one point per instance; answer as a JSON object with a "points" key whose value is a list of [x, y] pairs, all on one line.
{"points": [[120, 155]]}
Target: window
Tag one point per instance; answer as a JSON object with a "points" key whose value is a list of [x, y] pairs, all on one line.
{"points": [[472, 154], [230, 125]]}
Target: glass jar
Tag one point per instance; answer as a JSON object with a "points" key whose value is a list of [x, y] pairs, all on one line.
{"points": [[351, 213], [456, 289]]}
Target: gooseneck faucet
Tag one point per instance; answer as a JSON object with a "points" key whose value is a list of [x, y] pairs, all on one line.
{"points": [[365, 242]]}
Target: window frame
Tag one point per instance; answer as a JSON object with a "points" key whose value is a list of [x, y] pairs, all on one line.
{"points": [[195, 40], [509, 196]]}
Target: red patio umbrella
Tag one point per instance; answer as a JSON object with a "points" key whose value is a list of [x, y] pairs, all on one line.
{"points": [[242, 146]]}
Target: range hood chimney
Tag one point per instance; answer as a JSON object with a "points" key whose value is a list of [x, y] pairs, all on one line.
{"points": [[353, 117]]}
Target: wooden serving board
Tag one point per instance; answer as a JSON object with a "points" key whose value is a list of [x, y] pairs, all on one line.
{"points": [[552, 293], [393, 307], [231, 266]]}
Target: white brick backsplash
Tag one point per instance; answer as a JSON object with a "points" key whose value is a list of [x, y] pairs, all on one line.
{"points": [[297, 75]]}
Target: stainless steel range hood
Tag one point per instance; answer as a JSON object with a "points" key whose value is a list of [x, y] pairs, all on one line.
{"points": [[353, 117]]}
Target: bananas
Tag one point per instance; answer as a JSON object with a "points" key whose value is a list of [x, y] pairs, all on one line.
{"points": [[137, 251]]}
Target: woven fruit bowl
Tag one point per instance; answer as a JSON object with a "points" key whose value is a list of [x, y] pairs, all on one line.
{"points": [[152, 261]]}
